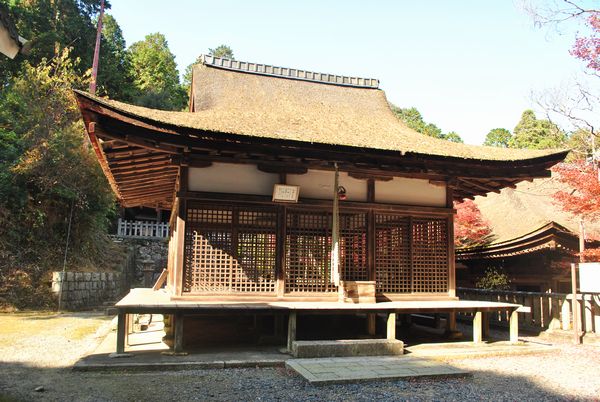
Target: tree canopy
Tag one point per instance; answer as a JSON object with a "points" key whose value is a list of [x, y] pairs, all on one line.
{"points": [[413, 119], [470, 229], [498, 137], [220, 51], [155, 78], [536, 134]]}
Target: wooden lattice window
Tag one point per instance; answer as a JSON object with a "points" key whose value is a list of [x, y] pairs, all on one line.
{"points": [[353, 246], [430, 255], [411, 254], [392, 253], [230, 249], [308, 250]]}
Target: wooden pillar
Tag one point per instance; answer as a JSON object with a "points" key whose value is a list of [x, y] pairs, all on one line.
{"points": [[554, 314], [371, 324], [291, 330], [128, 327], [391, 326], [451, 322], [565, 312], [280, 251], [588, 321], [371, 274], [121, 326], [451, 253], [514, 326], [477, 327], [575, 309], [485, 325], [178, 333], [180, 240]]}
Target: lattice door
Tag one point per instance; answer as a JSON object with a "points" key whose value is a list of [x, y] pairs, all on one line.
{"points": [[308, 250], [392, 254], [400, 270], [353, 246], [430, 255], [230, 249]]}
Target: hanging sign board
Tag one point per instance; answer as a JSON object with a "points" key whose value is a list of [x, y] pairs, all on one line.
{"points": [[589, 277], [285, 193]]}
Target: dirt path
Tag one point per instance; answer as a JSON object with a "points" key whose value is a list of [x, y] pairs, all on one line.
{"points": [[37, 349]]}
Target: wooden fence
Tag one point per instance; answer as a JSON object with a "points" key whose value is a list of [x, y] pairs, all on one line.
{"points": [[142, 229], [549, 311]]}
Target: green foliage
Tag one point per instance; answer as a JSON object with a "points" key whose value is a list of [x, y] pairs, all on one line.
{"points": [[453, 136], [413, 119], [220, 51], [498, 137], [580, 143], [114, 73], [155, 75], [494, 278], [536, 134], [51, 26], [45, 171]]}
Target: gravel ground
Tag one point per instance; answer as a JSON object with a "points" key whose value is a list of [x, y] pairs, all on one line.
{"points": [[570, 374]]}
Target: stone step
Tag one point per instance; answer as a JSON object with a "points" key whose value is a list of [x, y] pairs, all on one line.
{"points": [[347, 347]]}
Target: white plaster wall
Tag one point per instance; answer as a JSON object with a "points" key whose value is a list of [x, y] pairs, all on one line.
{"points": [[232, 178], [406, 191], [318, 184]]}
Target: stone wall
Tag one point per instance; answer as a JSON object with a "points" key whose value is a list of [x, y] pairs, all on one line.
{"points": [[82, 290], [153, 252]]}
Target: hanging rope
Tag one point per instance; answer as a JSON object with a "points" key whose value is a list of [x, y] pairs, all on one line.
{"points": [[335, 232]]}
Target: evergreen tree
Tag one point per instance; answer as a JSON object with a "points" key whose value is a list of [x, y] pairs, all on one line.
{"points": [[220, 51], [498, 137], [536, 134], [413, 119], [155, 75]]}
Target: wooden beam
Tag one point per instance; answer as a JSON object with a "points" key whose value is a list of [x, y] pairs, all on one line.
{"points": [[368, 176], [281, 168], [145, 173], [133, 179], [137, 165], [159, 181]]}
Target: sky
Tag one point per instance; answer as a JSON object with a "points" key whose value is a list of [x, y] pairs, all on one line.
{"points": [[467, 66]]}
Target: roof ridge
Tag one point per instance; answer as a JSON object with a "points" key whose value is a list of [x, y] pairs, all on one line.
{"points": [[289, 73]]}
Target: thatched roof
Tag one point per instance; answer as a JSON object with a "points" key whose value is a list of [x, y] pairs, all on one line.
{"points": [[244, 112], [527, 218], [515, 212], [282, 108]]}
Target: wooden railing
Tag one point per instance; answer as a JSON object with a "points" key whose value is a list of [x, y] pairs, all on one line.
{"points": [[142, 229], [548, 311]]}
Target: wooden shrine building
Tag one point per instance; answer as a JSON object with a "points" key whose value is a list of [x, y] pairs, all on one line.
{"points": [[534, 240], [249, 175]]}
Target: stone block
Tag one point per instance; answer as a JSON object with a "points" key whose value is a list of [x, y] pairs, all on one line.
{"points": [[345, 348], [87, 276], [57, 276], [70, 276]]}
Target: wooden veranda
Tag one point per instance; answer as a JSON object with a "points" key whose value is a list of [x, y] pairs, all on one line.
{"points": [[141, 301]]}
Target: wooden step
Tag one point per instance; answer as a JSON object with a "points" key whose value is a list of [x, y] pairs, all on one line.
{"points": [[347, 347]]}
